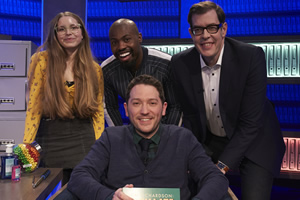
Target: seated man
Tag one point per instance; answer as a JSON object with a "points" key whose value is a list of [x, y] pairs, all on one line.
{"points": [[174, 154]]}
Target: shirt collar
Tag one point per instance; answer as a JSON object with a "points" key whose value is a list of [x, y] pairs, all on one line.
{"points": [[219, 62], [155, 138]]}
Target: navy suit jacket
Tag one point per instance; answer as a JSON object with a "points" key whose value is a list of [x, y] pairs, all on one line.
{"points": [[248, 117]]}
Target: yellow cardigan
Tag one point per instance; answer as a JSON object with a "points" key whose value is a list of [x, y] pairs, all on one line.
{"points": [[34, 111]]}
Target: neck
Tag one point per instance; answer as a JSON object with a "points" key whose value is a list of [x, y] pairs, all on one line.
{"points": [[71, 53]]}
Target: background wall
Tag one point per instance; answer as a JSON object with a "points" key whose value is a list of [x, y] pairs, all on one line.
{"points": [[272, 24]]}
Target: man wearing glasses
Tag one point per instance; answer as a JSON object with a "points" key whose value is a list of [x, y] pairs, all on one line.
{"points": [[221, 86]]}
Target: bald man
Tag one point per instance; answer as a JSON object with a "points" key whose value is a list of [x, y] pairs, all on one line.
{"points": [[129, 60]]}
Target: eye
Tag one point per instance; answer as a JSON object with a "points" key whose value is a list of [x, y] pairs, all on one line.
{"points": [[198, 30], [74, 28], [113, 43], [60, 29], [135, 103], [153, 103], [212, 28], [127, 40]]}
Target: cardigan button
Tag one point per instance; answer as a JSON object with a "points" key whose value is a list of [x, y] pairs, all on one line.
{"points": [[146, 172]]}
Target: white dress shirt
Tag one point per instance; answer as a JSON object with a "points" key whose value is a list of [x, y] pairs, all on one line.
{"points": [[211, 80]]}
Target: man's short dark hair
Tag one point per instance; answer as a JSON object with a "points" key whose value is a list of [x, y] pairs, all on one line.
{"points": [[146, 80], [202, 8]]}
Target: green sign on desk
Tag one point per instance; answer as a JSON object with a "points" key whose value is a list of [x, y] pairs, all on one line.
{"points": [[153, 193]]}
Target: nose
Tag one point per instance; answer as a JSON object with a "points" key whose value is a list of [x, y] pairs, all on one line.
{"points": [[205, 34], [144, 109], [68, 31], [122, 45]]}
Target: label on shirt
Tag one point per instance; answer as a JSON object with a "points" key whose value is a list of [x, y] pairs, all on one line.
{"points": [[153, 193]]}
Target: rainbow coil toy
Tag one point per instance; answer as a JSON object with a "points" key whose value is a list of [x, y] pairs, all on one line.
{"points": [[28, 155]]}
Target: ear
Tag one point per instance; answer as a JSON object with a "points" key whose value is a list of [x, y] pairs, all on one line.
{"points": [[140, 37], [164, 109], [125, 107], [191, 33], [224, 29]]}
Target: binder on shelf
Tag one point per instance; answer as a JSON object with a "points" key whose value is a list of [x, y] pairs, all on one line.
{"points": [[271, 60], [264, 48], [278, 60], [264, 26], [286, 60], [281, 93], [270, 93], [292, 153], [291, 92], [294, 60], [255, 26], [232, 27], [297, 94], [289, 27], [291, 158], [292, 115], [287, 94], [238, 6], [246, 26], [285, 115], [266, 6], [177, 50], [238, 27], [298, 116], [298, 154], [171, 51], [284, 164]]}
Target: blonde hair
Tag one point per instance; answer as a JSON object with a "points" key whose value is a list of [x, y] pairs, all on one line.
{"points": [[54, 101]]}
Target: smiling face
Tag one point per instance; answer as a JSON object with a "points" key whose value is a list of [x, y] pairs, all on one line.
{"points": [[208, 45], [125, 42], [72, 37], [145, 109]]}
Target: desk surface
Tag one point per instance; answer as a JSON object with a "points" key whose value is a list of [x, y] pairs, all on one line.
{"points": [[23, 190]]}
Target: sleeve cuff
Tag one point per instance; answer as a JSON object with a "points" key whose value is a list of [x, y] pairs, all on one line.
{"points": [[110, 197]]}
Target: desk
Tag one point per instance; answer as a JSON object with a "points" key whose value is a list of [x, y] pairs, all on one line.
{"points": [[23, 190]]}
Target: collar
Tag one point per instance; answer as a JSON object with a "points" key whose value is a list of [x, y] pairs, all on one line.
{"points": [[155, 138], [219, 62]]}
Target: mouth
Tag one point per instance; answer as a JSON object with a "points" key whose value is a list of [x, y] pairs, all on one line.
{"points": [[124, 55], [207, 44], [68, 39], [145, 120]]}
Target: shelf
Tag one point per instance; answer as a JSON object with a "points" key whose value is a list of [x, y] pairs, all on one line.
{"points": [[20, 17], [261, 14], [283, 80], [147, 9], [291, 134], [134, 18], [289, 175]]}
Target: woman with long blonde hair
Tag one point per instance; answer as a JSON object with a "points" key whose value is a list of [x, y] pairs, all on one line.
{"points": [[65, 104]]}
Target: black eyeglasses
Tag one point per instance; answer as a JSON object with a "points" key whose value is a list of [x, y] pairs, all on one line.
{"points": [[212, 29]]}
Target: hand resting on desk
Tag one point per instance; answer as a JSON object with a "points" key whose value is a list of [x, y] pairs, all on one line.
{"points": [[120, 195]]}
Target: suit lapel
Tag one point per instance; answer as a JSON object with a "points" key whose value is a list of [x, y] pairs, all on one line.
{"points": [[227, 72]]}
